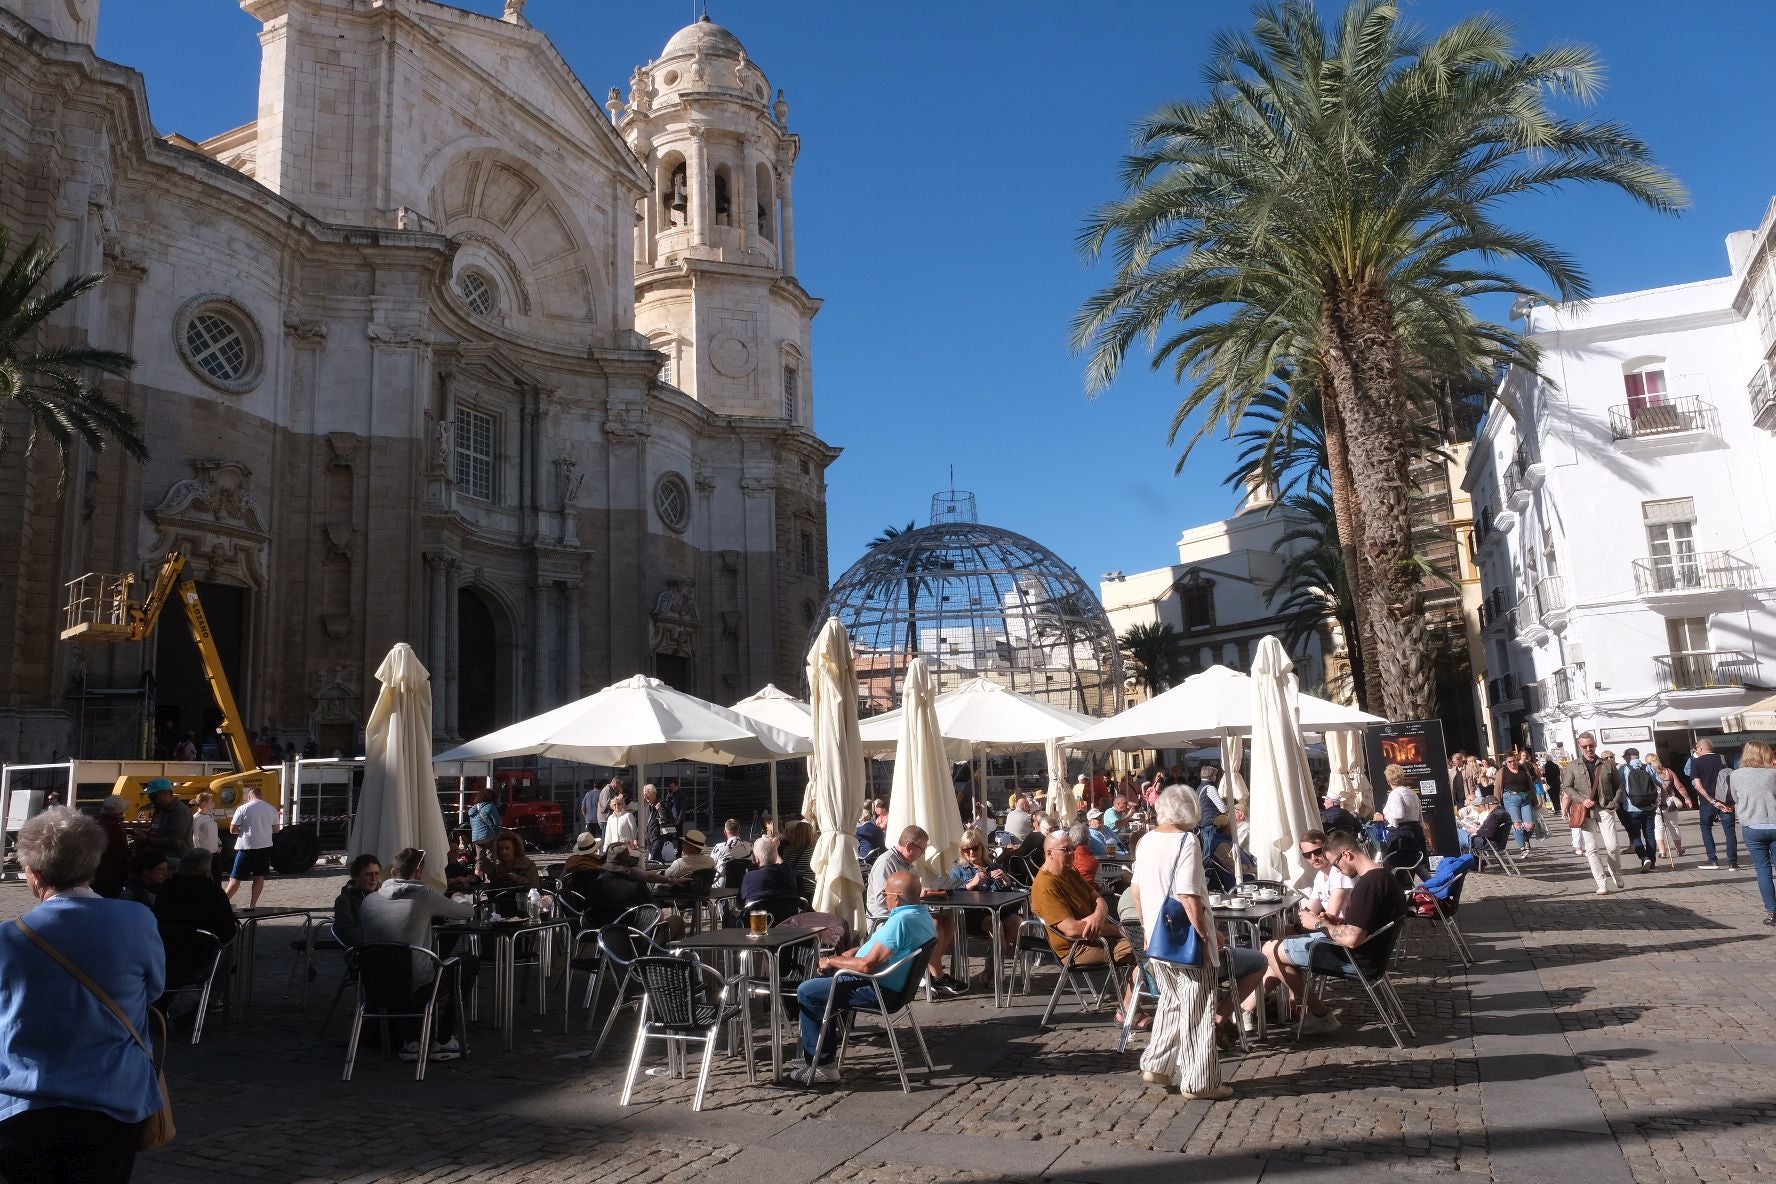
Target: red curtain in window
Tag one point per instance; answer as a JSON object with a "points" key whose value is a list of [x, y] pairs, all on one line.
{"points": [[1645, 389]]}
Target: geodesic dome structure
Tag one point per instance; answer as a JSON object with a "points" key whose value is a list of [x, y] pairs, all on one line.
{"points": [[976, 601]]}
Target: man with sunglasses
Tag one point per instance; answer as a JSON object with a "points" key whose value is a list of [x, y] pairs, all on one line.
{"points": [[904, 856], [1374, 901], [1330, 887]]}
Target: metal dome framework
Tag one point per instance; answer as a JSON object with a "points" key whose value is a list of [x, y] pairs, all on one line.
{"points": [[976, 601]]}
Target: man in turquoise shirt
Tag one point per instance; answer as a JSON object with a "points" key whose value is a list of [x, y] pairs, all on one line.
{"points": [[909, 926]]}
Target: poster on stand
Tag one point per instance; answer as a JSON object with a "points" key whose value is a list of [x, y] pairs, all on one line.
{"points": [[1417, 746]]}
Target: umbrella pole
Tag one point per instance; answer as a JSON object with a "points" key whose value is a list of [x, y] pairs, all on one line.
{"points": [[1239, 863], [773, 791]]}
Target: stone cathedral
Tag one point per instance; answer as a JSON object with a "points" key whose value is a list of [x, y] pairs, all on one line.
{"points": [[439, 349]]}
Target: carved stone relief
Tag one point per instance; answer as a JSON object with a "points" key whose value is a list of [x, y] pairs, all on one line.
{"points": [[214, 519]]}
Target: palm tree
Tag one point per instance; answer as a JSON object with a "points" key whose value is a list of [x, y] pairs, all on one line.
{"points": [[1326, 195], [1315, 584], [1158, 649], [50, 382], [912, 580]]}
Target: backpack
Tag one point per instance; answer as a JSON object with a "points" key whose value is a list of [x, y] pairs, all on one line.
{"points": [[1642, 788]]}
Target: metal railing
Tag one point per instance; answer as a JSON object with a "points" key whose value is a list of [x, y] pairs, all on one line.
{"points": [[1674, 416], [1550, 594], [1695, 571], [1527, 615], [1502, 689], [1703, 670], [1761, 390]]}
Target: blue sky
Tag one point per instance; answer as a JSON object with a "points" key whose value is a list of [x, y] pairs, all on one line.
{"points": [[949, 154]]}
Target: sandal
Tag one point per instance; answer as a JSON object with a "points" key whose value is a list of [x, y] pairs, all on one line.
{"points": [[1142, 1022]]}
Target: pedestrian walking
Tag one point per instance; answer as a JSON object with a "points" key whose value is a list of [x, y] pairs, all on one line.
{"points": [[1752, 790], [1705, 773], [1593, 788], [1674, 795]]}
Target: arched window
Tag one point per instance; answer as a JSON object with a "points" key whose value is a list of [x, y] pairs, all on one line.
{"points": [[764, 196], [1645, 381], [675, 191], [724, 188]]}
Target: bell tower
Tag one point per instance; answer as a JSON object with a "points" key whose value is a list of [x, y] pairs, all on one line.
{"points": [[715, 287], [64, 20]]}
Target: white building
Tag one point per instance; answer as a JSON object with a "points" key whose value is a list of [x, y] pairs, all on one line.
{"points": [[1219, 595], [1625, 524]]}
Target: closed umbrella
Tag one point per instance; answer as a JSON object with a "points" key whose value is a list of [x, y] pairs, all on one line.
{"points": [[921, 795], [1233, 796], [1282, 806], [835, 775], [782, 711], [1344, 755], [398, 805], [1057, 782]]}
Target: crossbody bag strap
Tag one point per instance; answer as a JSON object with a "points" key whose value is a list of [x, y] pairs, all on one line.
{"points": [[85, 981]]}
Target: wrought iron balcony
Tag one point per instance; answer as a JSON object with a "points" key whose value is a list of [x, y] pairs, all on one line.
{"points": [[1674, 417], [1761, 390], [1502, 691], [1516, 485], [1693, 573], [1550, 595], [1529, 624], [1704, 670]]}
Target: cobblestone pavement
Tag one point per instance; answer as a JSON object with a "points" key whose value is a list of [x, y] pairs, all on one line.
{"points": [[1614, 1040]]}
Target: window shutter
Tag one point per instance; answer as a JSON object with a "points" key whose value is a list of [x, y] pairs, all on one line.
{"points": [[1676, 509]]}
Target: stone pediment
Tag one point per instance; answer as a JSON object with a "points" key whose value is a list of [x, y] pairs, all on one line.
{"points": [[516, 59], [489, 364], [213, 518]]}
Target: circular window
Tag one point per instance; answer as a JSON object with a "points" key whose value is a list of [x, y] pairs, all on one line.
{"points": [[478, 293], [672, 499], [219, 342], [671, 78]]}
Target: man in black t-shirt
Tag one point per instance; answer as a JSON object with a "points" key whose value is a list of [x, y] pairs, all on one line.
{"points": [[1374, 900]]}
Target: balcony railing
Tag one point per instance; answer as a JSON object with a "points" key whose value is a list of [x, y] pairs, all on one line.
{"points": [[1502, 689], [1704, 670], [1562, 686], [1636, 421], [1762, 392], [1697, 571], [1550, 596], [1493, 609], [1528, 619]]}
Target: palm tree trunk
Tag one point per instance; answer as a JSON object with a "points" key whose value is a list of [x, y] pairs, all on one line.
{"points": [[1362, 360], [1365, 671]]}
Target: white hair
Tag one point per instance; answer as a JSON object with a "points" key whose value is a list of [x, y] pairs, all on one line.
{"points": [[1178, 807]]}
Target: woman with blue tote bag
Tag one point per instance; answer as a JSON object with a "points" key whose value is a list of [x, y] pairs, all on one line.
{"points": [[1172, 892]]}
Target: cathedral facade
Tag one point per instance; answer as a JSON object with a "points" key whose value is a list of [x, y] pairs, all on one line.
{"points": [[439, 349]]}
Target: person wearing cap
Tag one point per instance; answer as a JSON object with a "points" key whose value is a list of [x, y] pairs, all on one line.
{"points": [[1102, 839], [172, 818], [1335, 817], [692, 858]]}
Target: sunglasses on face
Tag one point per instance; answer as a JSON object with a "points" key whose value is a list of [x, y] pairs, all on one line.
{"points": [[1316, 853], [966, 850]]}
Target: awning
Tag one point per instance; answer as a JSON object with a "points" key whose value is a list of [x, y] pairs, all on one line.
{"points": [[1759, 716]]}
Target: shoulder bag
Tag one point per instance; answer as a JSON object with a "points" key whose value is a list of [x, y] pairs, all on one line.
{"points": [[1174, 939], [1577, 811], [157, 1129]]}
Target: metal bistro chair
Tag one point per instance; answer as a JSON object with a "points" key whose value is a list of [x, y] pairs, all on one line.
{"points": [[1446, 906], [890, 1005], [1376, 984], [201, 951], [677, 1007], [1491, 851], [642, 919], [1070, 966], [386, 992], [1146, 986], [617, 950], [348, 976]]}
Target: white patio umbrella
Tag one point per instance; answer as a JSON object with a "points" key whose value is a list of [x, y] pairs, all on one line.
{"points": [[1344, 754], [1057, 781], [1282, 805], [835, 775], [981, 713], [1210, 706], [398, 805], [782, 711], [921, 794], [1234, 795], [639, 721]]}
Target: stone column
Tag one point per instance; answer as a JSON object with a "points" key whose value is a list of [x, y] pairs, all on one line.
{"points": [[570, 646], [541, 643], [437, 652], [452, 656], [786, 224], [702, 188], [759, 579]]}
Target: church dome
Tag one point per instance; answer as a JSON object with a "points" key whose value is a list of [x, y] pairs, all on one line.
{"points": [[703, 37], [976, 601]]}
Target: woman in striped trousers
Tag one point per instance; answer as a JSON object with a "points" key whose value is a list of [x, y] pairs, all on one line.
{"points": [[1181, 1051]]}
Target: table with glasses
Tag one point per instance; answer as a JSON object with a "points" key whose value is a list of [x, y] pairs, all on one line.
{"points": [[700, 903], [959, 901], [737, 944], [1246, 917], [504, 935]]}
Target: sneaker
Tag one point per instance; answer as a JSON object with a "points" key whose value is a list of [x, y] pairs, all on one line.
{"points": [[1646, 865], [1316, 1025], [1603, 892], [450, 1050], [1219, 1093], [810, 1074], [1732, 867], [410, 1051], [943, 984], [1163, 1080], [1710, 866]]}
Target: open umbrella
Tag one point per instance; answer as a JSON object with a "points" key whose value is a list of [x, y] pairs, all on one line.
{"points": [[984, 713], [639, 721], [921, 795], [1282, 806], [835, 775], [1205, 707], [782, 711], [398, 805]]}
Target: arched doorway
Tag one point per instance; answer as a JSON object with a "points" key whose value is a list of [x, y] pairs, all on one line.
{"points": [[184, 704], [483, 664]]}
